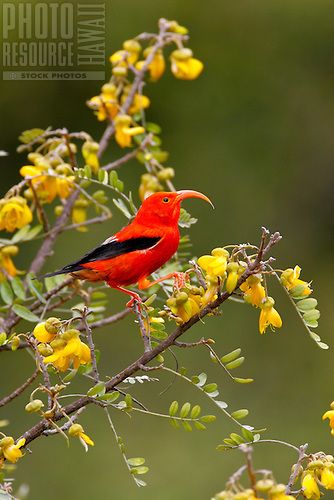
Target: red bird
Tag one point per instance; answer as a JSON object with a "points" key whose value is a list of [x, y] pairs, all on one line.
{"points": [[138, 249]]}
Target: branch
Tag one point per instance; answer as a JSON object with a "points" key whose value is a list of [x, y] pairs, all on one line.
{"points": [[19, 390], [148, 356]]}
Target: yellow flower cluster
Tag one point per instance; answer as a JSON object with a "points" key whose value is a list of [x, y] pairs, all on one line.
{"points": [[10, 450], [125, 129], [49, 178], [7, 267], [151, 182], [14, 213], [219, 265], [319, 473], [89, 152], [61, 349]]}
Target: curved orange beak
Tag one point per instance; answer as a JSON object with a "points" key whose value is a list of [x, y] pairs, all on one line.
{"points": [[188, 193]]}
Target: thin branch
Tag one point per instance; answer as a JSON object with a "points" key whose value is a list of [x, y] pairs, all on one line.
{"points": [[19, 390], [296, 470]]}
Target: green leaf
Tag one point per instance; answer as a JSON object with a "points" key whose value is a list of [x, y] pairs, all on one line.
{"points": [[243, 380], [236, 438], [201, 379], [3, 338], [34, 232], [18, 288], [21, 234], [210, 387], [223, 447], [231, 356], [70, 375], [87, 171], [196, 410], [322, 345], [102, 176], [24, 313], [185, 410], [30, 135], [110, 396], [173, 408], [221, 404], [97, 389], [139, 470], [153, 127], [122, 207], [238, 414], [113, 178], [235, 364], [307, 304], [174, 423], [6, 292], [134, 462], [248, 435], [186, 426], [128, 401], [199, 426], [208, 418]]}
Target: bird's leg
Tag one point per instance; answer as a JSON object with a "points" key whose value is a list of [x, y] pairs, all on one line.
{"points": [[135, 298], [180, 279]]}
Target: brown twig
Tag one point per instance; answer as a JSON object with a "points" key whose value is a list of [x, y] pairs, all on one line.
{"points": [[19, 390], [296, 469]]}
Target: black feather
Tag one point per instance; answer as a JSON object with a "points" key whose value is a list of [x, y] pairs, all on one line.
{"points": [[106, 251]]}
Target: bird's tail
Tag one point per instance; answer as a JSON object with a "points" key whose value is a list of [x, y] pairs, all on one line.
{"points": [[71, 268]]}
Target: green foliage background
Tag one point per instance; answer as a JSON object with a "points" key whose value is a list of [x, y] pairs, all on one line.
{"points": [[255, 133]]}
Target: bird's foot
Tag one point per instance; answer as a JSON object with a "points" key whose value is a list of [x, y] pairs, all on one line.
{"points": [[134, 302], [180, 280]]}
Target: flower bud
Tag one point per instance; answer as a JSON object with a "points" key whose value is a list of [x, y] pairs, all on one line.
{"points": [[52, 325], [75, 430], [166, 174], [3, 338], [58, 343], [220, 252], [15, 343], [264, 485], [58, 210], [182, 54], [315, 464], [34, 406], [181, 298], [6, 441], [10, 250], [45, 349], [69, 334], [278, 489], [119, 71], [132, 46]]}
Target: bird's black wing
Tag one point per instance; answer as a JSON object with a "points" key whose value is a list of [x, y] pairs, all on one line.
{"points": [[108, 250]]}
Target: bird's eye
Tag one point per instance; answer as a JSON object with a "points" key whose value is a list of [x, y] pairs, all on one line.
{"points": [[165, 200]]}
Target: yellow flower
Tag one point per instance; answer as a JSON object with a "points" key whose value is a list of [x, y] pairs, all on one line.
{"points": [[157, 67], [254, 292], [184, 306], [129, 54], [14, 213], [68, 349], [330, 415], [79, 214], [327, 478], [216, 263], [76, 430], [139, 102], [105, 105], [44, 185], [310, 487], [184, 66], [42, 334], [6, 263], [124, 131], [89, 152], [269, 316], [290, 279], [232, 277], [10, 450]]}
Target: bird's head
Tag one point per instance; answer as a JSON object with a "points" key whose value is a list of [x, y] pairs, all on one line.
{"points": [[164, 207]]}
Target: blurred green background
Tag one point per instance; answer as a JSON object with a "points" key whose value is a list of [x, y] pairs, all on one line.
{"points": [[255, 133]]}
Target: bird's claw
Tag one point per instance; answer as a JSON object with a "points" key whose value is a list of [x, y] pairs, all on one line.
{"points": [[134, 302]]}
